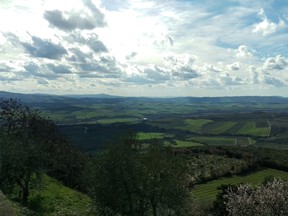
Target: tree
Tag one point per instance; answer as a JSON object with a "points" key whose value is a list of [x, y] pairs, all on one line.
{"points": [[270, 198], [129, 179], [113, 178], [164, 183], [21, 143], [63, 162]]}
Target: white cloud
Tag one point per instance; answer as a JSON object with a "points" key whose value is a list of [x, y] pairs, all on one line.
{"points": [[44, 82], [226, 79], [271, 73], [170, 39], [276, 63], [180, 61], [274, 81], [208, 68], [254, 75], [40, 48], [89, 17], [243, 52], [266, 26], [2, 38], [234, 67]]}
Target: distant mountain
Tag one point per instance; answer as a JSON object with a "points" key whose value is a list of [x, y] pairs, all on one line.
{"points": [[31, 98], [91, 96], [98, 98]]}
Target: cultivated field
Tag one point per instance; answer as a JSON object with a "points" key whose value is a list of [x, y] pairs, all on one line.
{"points": [[205, 194]]}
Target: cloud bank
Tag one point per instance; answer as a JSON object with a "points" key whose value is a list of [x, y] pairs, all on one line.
{"points": [[169, 48]]}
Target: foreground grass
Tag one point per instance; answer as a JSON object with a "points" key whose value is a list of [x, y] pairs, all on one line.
{"points": [[205, 194], [54, 199]]}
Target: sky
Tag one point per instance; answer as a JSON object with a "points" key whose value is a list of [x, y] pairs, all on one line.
{"points": [[152, 48]]}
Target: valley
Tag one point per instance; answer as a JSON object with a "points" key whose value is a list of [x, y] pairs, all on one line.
{"points": [[227, 140]]}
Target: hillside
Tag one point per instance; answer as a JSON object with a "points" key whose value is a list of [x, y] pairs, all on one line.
{"points": [[219, 103], [54, 199]]}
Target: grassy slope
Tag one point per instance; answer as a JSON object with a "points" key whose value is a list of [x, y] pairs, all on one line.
{"points": [[54, 199], [206, 193]]}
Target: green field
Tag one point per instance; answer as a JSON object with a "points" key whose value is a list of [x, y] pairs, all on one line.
{"points": [[147, 136], [191, 121], [168, 123], [118, 120], [218, 140], [205, 194], [213, 140], [181, 144], [194, 125], [251, 129], [242, 141], [61, 117], [218, 127]]}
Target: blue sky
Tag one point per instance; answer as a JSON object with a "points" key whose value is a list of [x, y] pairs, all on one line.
{"points": [[144, 47]]}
